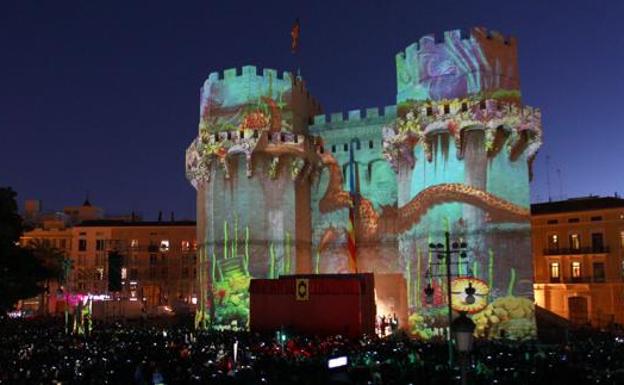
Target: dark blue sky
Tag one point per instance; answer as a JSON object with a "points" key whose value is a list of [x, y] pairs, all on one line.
{"points": [[103, 95]]}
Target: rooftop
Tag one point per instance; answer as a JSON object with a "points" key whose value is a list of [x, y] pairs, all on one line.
{"points": [[577, 204], [122, 223]]}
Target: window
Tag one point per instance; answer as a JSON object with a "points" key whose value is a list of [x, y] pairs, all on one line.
{"points": [[134, 274], [124, 273], [370, 144], [576, 270], [552, 222], [554, 271], [99, 244], [134, 243], [63, 243], [345, 147], [573, 220], [100, 273], [597, 242], [596, 219], [185, 272], [164, 246], [575, 241], [553, 241], [152, 248], [163, 272], [185, 245], [622, 239], [599, 272], [82, 245], [333, 148], [153, 259]]}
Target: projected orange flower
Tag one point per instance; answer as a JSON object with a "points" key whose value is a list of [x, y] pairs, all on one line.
{"points": [[461, 299]]}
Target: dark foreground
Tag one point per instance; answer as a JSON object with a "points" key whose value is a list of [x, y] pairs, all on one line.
{"points": [[38, 352]]}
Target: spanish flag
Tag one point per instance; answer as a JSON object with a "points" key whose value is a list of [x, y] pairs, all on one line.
{"points": [[294, 36]]}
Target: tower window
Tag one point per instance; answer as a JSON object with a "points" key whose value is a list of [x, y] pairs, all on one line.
{"points": [[370, 144]]}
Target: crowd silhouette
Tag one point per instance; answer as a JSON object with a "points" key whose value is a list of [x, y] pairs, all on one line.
{"points": [[39, 352]]}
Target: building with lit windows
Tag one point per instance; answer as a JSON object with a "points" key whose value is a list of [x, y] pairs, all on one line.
{"points": [[158, 258], [578, 247]]}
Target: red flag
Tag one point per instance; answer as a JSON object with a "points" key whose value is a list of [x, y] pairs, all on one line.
{"points": [[294, 35]]}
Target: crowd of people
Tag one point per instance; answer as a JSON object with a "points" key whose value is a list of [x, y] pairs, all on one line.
{"points": [[39, 352]]}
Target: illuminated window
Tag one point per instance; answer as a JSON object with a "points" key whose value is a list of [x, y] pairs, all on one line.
{"points": [[100, 273], [553, 241], [622, 239], [575, 241], [576, 270], [124, 273], [164, 245], [186, 245], [554, 270], [82, 245], [134, 243]]}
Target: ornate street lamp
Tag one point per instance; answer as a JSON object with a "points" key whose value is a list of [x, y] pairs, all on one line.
{"points": [[444, 253], [463, 329]]}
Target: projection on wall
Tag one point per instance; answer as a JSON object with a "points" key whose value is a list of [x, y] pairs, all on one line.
{"points": [[454, 155]]}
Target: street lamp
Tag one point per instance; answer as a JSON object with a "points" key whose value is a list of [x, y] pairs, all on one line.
{"points": [[463, 329], [445, 252]]}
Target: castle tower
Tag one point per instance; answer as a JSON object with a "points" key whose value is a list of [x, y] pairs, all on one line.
{"points": [[453, 155], [462, 148], [250, 164]]}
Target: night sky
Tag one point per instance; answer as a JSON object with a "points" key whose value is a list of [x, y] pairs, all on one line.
{"points": [[103, 96]]}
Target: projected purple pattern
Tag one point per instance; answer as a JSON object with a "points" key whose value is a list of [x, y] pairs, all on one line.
{"points": [[455, 67]]}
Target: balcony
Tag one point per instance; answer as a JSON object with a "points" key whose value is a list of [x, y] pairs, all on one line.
{"points": [[581, 279], [577, 251]]}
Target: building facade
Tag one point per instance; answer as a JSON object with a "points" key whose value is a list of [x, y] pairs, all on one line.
{"points": [[282, 189], [158, 265], [578, 247]]}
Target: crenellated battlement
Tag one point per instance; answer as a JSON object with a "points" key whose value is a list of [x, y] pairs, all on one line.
{"points": [[249, 71], [479, 59], [430, 40], [248, 74], [354, 116]]}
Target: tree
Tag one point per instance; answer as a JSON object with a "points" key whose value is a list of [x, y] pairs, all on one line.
{"points": [[51, 259], [20, 270]]}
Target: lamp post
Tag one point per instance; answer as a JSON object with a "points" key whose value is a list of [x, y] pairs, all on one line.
{"points": [[463, 329], [353, 208], [445, 252]]}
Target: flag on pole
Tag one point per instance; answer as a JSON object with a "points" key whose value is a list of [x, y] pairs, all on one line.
{"points": [[294, 36], [351, 235]]}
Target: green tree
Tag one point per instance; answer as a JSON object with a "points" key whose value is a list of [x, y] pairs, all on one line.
{"points": [[21, 272]]}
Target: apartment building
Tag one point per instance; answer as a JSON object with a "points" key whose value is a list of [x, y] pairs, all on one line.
{"points": [[578, 249]]}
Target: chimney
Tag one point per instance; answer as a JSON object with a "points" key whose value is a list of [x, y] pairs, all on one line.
{"points": [[160, 216]]}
